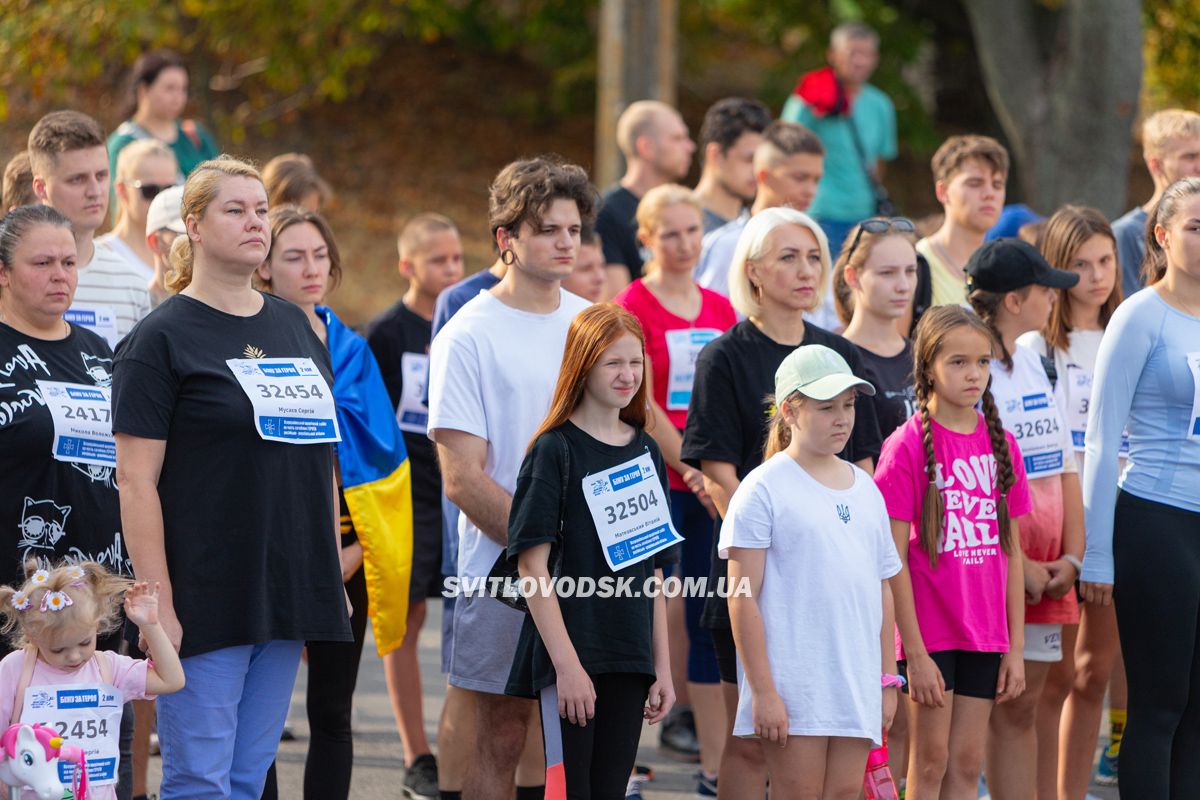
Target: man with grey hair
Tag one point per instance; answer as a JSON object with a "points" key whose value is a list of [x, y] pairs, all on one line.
{"points": [[857, 124], [654, 139]]}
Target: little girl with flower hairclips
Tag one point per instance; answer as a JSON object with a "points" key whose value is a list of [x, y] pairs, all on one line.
{"points": [[55, 618]]}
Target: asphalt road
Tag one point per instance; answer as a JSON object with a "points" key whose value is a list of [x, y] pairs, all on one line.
{"points": [[378, 767]]}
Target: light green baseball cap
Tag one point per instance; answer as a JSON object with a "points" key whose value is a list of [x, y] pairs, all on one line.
{"points": [[817, 372]]}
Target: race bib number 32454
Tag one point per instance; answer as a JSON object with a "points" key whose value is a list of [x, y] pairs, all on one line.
{"points": [[292, 401]]}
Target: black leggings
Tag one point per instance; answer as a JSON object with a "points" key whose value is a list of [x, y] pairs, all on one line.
{"points": [[597, 759], [1156, 551], [332, 675]]}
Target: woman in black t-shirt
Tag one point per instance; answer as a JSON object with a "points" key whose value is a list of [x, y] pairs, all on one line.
{"points": [[779, 271], [58, 498], [873, 284], [223, 415], [591, 504]]}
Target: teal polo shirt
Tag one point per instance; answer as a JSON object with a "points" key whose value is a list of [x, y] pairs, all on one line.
{"points": [[844, 193]]}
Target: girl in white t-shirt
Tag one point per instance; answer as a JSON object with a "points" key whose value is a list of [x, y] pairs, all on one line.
{"points": [[808, 534], [1079, 240], [1012, 289]]}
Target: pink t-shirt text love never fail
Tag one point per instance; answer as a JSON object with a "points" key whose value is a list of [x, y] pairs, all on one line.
{"points": [[960, 604]]}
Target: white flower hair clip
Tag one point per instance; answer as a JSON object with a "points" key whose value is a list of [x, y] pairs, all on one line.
{"points": [[20, 601], [56, 601], [76, 573], [39, 577]]}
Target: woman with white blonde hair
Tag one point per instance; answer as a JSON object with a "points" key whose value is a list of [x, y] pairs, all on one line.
{"points": [[780, 268]]}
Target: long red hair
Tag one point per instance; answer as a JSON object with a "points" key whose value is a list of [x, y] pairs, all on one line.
{"points": [[593, 331]]}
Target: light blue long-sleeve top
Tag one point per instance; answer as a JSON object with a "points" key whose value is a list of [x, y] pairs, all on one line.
{"points": [[1142, 380]]}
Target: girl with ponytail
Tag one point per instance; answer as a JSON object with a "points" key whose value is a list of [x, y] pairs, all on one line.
{"points": [[954, 483], [1142, 521], [810, 554], [223, 380]]}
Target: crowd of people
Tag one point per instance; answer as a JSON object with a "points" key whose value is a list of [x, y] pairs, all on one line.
{"points": [[922, 551]]}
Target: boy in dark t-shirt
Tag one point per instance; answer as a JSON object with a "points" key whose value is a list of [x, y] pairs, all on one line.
{"points": [[431, 259]]}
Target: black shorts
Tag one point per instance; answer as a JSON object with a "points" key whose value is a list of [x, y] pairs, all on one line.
{"points": [[966, 673], [726, 654]]}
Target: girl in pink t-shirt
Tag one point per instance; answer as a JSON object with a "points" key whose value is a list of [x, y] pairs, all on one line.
{"points": [[960, 599], [56, 617], [1013, 299]]}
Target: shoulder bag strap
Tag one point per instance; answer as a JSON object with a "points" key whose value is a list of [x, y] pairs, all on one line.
{"points": [[23, 684], [877, 188]]}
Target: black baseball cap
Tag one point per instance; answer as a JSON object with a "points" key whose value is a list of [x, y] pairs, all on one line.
{"points": [[1005, 265]]}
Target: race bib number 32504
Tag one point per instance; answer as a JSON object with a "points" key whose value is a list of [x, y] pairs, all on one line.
{"points": [[292, 401], [630, 510]]}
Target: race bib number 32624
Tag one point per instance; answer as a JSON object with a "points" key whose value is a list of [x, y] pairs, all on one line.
{"points": [[292, 401]]}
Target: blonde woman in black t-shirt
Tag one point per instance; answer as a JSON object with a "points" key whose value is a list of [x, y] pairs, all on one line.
{"points": [[223, 415]]}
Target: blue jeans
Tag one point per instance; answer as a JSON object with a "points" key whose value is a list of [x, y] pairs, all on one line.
{"points": [[696, 527], [219, 735]]}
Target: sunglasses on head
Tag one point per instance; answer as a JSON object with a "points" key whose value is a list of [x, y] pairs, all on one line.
{"points": [[150, 190], [881, 225]]}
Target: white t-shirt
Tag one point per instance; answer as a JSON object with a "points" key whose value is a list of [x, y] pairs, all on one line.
{"points": [[118, 246], [821, 599], [109, 289], [492, 371], [1029, 408], [1073, 389]]}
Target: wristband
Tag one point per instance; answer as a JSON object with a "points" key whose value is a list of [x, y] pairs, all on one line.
{"points": [[1074, 562], [887, 680]]}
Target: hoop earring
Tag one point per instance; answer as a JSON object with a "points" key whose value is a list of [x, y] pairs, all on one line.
{"points": [[508, 257]]}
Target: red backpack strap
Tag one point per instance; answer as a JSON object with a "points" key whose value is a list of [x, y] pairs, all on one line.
{"points": [[188, 126], [23, 684]]}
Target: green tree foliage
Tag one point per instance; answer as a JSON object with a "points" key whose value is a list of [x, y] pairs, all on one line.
{"points": [[270, 56], [1172, 53]]}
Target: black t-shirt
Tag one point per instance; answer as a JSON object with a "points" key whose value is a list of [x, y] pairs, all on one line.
{"points": [[728, 415], [617, 225], [610, 634], [393, 333], [246, 522], [50, 509], [895, 400]]}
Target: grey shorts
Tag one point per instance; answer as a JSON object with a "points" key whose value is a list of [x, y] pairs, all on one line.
{"points": [[485, 641]]}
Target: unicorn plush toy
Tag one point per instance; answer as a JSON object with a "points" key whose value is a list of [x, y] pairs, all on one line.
{"points": [[29, 756]]}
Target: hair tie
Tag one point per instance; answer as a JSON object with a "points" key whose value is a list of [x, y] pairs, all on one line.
{"points": [[56, 601]]}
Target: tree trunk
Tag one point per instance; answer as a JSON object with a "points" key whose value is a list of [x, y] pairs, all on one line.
{"points": [[1065, 85], [638, 55]]}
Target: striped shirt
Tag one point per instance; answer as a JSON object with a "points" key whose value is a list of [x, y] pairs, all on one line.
{"points": [[111, 295]]}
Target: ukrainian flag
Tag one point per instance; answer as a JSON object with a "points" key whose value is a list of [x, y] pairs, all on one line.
{"points": [[376, 480]]}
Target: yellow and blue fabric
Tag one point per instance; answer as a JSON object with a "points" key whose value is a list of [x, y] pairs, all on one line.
{"points": [[376, 479]]}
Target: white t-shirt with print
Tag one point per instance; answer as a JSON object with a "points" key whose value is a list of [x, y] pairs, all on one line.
{"points": [[492, 371], [1075, 366], [821, 599]]}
